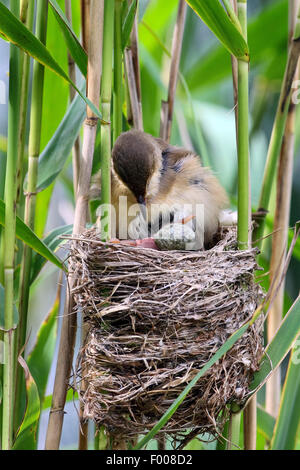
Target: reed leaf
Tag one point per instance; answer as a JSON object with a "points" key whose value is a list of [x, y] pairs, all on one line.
{"points": [[73, 44], [215, 17], [128, 23], [279, 347], [24, 233], [26, 435], [54, 156], [287, 423], [40, 359], [19, 35], [265, 423], [53, 240]]}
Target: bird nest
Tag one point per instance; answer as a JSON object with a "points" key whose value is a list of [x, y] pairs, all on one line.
{"points": [[155, 318]]}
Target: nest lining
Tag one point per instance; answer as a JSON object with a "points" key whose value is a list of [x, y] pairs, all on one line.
{"points": [[155, 318]]}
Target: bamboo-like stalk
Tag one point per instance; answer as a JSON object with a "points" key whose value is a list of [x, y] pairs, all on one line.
{"points": [[85, 28], [281, 224], [30, 198], [234, 428], [72, 75], [135, 104], [118, 89], [136, 65], [243, 234], [243, 139], [26, 16], [106, 92], [9, 242], [234, 65], [106, 96], [277, 133], [85, 6], [250, 424], [168, 107], [68, 332]]}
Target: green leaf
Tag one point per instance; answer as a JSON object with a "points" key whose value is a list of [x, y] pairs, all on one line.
{"points": [[18, 34], [215, 17], [78, 53], [55, 154], [2, 316], [40, 359], [26, 435], [128, 23], [265, 423], [52, 241], [269, 55], [279, 347], [287, 423], [24, 233], [220, 352]]}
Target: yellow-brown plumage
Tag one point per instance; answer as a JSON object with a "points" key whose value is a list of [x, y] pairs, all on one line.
{"points": [[151, 172]]}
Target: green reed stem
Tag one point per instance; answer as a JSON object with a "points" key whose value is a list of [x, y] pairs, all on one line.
{"points": [[243, 138], [106, 94], [243, 179], [277, 133], [9, 241], [117, 95], [34, 151]]}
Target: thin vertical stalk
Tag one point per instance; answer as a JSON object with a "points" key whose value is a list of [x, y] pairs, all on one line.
{"points": [[250, 424], [85, 22], [68, 332], [106, 95], [136, 65], [72, 75], [9, 241], [34, 151], [234, 65], [131, 81], [168, 107], [281, 224], [27, 17], [243, 234], [243, 138], [277, 133], [234, 431], [117, 94]]}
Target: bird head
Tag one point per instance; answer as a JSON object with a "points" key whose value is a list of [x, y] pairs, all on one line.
{"points": [[137, 161]]}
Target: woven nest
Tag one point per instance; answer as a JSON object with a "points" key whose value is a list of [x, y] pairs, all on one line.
{"points": [[155, 318]]}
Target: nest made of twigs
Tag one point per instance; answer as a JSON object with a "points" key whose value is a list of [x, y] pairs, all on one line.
{"points": [[155, 318]]}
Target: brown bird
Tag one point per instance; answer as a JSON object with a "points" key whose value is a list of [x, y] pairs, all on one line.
{"points": [[167, 182]]}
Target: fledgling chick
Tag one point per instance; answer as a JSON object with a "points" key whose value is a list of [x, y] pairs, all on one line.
{"points": [[167, 182]]}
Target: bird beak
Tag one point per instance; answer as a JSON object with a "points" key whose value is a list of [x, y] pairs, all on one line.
{"points": [[142, 204]]}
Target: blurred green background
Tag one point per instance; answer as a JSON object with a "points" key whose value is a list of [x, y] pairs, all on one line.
{"points": [[204, 120]]}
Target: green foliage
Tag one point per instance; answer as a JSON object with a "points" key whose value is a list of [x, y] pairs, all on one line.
{"points": [[54, 156], [228, 32], [40, 359], [287, 424], [24, 233], [26, 436], [74, 46], [18, 34], [279, 347]]}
